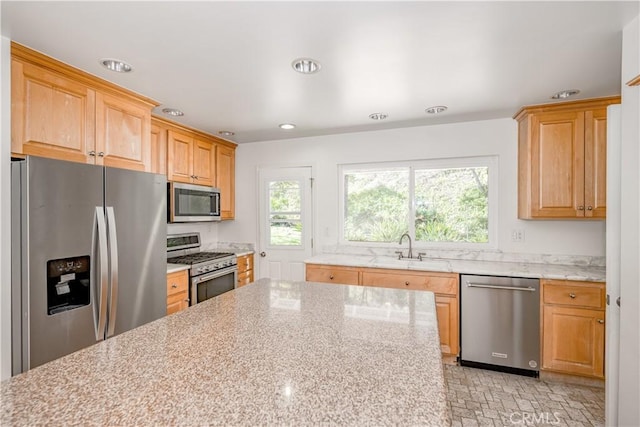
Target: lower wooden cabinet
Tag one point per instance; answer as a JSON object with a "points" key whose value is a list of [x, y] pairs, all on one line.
{"points": [[573, 327], [245, 270], [177, 291], [444, 285], [332, 274]]}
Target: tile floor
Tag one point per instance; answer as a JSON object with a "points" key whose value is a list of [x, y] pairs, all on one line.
{"points": [[485, 398]]}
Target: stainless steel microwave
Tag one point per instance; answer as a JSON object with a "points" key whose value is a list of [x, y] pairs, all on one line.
{"points": [[192, 203]]}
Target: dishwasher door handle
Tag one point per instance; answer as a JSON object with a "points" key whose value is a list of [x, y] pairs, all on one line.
{"points": [[506, 288]]}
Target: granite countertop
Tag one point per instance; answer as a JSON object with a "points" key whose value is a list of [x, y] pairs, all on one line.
{"points": [[172, 268], [494, 268], [273, 352]]}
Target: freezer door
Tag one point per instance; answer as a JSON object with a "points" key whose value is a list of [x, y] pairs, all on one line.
{"points": [[58, 202], [136, 211]]}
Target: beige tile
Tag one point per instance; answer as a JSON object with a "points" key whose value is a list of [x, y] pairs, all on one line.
{"points": [[485, 398]]}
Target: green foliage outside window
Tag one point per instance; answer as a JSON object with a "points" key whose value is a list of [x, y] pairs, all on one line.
{"points": [[450, 205]]}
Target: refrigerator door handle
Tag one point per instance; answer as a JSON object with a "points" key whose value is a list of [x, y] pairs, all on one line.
{"points": [[99, 254], [113, 256]]}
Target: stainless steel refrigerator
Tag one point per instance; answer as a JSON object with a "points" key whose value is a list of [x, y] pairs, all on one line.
{"points": [[88, 256]]}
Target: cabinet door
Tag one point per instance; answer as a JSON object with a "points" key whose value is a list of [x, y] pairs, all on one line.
{"points": [[557, 165], [123, 135], [573, 340], [447, 313], [595, 164], [332, 274], [179, 156], [245, 278], [177, 291], [51, 116], [204, 158], [225, 180], [158, 149]]}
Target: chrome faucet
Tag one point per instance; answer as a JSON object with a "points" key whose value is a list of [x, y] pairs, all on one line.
{"points": [[410, 254]]}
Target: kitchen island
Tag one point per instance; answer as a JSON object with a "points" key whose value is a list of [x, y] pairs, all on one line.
{"points": [[273, 352]]}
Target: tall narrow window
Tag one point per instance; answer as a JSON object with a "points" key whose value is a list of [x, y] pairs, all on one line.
{"points": [[285, 225]]}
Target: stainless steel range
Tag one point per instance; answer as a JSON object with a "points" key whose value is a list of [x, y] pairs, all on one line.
{"points": [[211, 273]]}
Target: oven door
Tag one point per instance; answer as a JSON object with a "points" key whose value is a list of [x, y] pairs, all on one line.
{"points": [[213, 284]]}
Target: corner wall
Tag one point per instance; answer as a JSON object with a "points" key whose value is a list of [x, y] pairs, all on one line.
{"points": [[5, 208]]}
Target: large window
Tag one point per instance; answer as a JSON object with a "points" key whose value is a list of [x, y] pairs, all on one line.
{"points": [[447, 202]]}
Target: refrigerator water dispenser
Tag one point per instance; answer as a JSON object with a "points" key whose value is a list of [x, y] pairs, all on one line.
{"points": [[67, 284]]}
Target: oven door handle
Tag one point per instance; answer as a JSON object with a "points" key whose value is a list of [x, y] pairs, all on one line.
{"points": [[213, 275]]}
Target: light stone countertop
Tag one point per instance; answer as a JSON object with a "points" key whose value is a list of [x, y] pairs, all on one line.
{"points": [[172, 268], [494, 268], [269, 353]]}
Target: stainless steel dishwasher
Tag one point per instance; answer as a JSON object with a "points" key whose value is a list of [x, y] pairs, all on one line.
{"points": [[500, 323]]}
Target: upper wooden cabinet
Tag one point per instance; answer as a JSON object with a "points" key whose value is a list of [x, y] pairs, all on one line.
{"points": [[195, 157], [158, 148], [189, 159], [562, 160], [225, 180], [64, 113], [123, 133]]}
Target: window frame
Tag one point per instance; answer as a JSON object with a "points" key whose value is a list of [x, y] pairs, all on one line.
{"points": [[491, 162]]}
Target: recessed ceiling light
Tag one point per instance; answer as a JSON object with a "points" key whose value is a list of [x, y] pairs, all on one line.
{"points": [[377, 116], [436, 110], [306, 65], [116, 65], [173, 112], [287, 126], [226, 133], [563, 94]]}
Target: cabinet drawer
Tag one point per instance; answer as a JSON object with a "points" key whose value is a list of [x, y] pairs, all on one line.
{"points": [[328, 274], [579, 294], [177, 282], [245, 262], [245, 278], [440, 284]]}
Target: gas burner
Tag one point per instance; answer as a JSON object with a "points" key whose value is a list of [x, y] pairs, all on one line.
{"points": [[198, 257]]}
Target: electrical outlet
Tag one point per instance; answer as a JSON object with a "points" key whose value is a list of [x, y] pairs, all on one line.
{"points": [[517, 235]]}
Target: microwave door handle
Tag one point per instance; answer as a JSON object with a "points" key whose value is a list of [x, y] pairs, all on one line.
{"points": [[99, 285], [113, 256]]}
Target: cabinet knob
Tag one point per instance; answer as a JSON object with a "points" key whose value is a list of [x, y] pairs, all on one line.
{"points": [[589, 208], [263, 254], [92, 153], [572, 296], [173, 285], [195, 176], [580, 208], [331, 277], [406, 283], [601, 321], [101, 154]]}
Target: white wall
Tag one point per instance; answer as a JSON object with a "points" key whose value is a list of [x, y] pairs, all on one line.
{"points": [[208, 231], [5, 208], [629, 383], [491, 137]]}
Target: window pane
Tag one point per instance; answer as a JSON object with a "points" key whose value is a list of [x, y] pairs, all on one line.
{"points": [[285, 218], [452, 205], [376, 205]]}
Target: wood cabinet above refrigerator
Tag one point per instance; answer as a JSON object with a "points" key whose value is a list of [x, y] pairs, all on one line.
{"points": [[60, 112]]}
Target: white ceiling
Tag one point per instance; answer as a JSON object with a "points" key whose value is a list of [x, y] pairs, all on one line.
{"points": [[227, 65]]}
